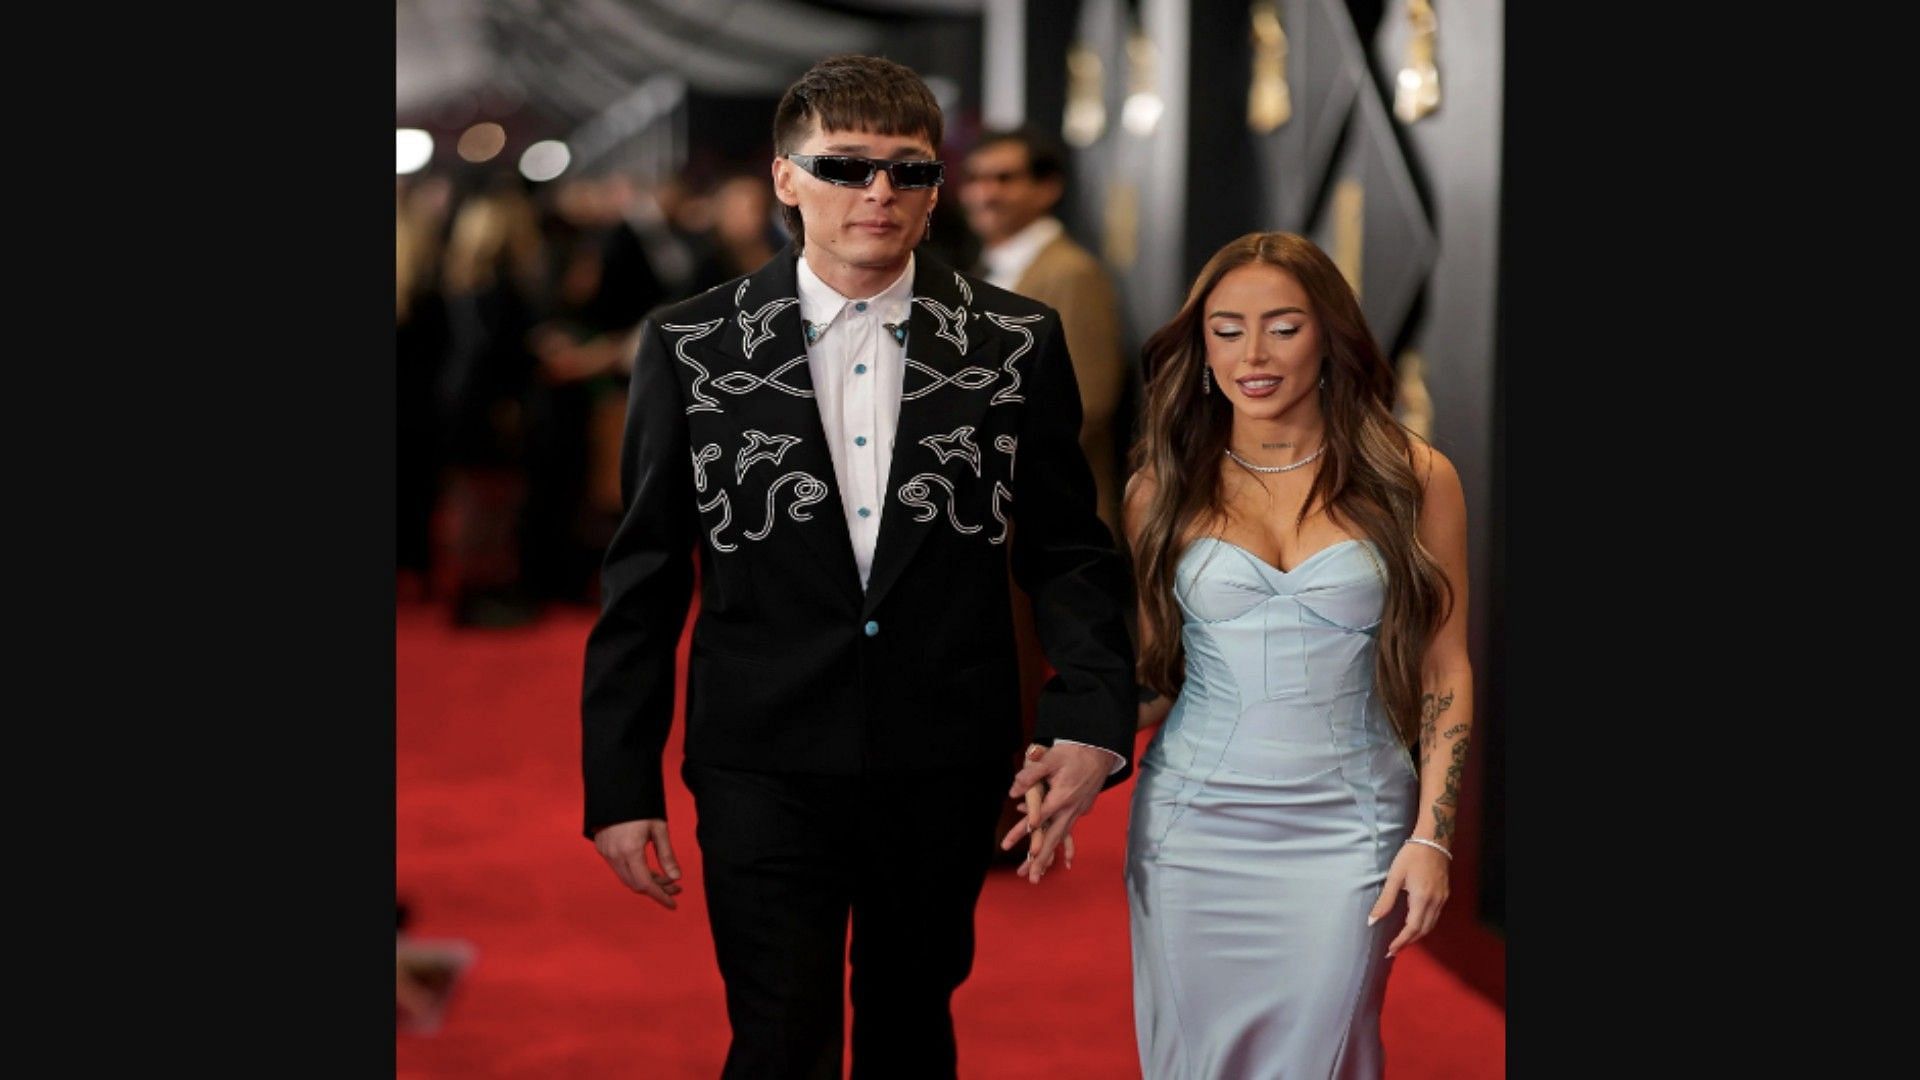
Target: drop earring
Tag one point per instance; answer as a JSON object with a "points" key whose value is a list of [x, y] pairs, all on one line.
{"points": [[1206, 379]]}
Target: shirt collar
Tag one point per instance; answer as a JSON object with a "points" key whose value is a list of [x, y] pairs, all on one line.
{"points": [[1009, 259], [821, 304]]}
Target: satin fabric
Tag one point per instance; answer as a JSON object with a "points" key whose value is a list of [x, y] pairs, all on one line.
{"points": [[1268, 809]]}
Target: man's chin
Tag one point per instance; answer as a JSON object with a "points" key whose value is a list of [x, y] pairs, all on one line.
{"points": [[874, 254]]}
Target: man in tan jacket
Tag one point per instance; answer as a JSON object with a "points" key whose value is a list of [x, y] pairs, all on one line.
{"points": [[1013, 180]]}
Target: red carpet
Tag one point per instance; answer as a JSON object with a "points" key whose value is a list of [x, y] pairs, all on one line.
{"points": [[577, 977]]}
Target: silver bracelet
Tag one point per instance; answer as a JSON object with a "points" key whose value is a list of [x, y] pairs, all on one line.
{"points": [[1431, 844]]}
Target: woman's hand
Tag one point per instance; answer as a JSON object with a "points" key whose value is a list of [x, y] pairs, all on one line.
{"points": [[1422, 872], [1037, 839]]}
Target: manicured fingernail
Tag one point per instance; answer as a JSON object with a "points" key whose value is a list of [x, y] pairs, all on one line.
{"points": [[1371, 919]]}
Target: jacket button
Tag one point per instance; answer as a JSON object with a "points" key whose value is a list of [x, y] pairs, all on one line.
{"points": [[873, 628]]}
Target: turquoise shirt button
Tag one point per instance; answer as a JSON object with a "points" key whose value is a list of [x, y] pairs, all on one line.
{"points": [[873, 628]]}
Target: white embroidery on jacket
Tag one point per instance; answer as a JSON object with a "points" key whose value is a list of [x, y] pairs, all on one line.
{"points": [[689, 333], [761, 447], [807, 492], [957, 444], [915, 493]]}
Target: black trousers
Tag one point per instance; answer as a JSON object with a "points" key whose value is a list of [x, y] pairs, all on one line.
{"points": [[787, 858]]}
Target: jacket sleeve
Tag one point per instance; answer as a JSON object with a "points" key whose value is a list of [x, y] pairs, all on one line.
{"points": [[646, 583], [1065, 560]]}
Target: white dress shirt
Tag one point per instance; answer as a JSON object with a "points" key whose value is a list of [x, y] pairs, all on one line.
{"points": [[858, 368], [1005, 261]]}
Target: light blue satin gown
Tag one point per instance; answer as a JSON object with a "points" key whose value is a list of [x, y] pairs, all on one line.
{"points": [[1268, 808]]}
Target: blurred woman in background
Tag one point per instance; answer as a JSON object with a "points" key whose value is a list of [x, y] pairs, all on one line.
{"points": [[495, 295], [420, 217]]}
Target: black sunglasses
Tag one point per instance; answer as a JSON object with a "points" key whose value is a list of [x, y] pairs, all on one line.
{"points": [[849, 171]]}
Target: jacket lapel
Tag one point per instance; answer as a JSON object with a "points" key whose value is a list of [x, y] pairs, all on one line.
{"points": [[951, 374], [761, 380]]}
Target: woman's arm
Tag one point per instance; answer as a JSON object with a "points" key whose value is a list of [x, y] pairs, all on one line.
{"points": [[1446, 714], [1446, 701]]}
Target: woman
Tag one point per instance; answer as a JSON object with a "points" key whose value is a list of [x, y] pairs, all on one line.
{"points": [[1301, 566], [494, 281], [420, 325]]}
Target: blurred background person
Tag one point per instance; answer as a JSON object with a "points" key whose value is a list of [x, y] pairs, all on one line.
{"points": [[644, 208], [952, 239], [1012, 181], [495, 287], [744, 235], [602, 283], [421, 206]]}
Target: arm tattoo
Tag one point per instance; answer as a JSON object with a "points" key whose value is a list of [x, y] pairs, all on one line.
{"points": [[1430, 711], [1449, 800]]}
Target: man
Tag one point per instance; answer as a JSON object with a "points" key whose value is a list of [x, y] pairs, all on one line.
{"points": [[854, 441], [1014, 179]]}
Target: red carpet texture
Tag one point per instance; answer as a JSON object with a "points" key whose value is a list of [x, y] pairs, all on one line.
{"points": [[574, 976]]}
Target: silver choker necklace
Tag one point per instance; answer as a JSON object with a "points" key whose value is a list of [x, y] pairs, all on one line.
{"points": [[1308, 460]]}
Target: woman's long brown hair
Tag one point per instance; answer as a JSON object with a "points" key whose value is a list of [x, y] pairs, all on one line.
{"points": [[1366, 480]]}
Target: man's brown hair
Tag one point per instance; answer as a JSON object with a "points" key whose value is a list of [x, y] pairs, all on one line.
{"points": [[846, 92]]}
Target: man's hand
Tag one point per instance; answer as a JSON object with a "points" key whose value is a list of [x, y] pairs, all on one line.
{"points": [[1074, 775], [624, 846]]}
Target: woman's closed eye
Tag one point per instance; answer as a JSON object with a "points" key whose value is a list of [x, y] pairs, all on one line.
{"points": [[1234, 333]]}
